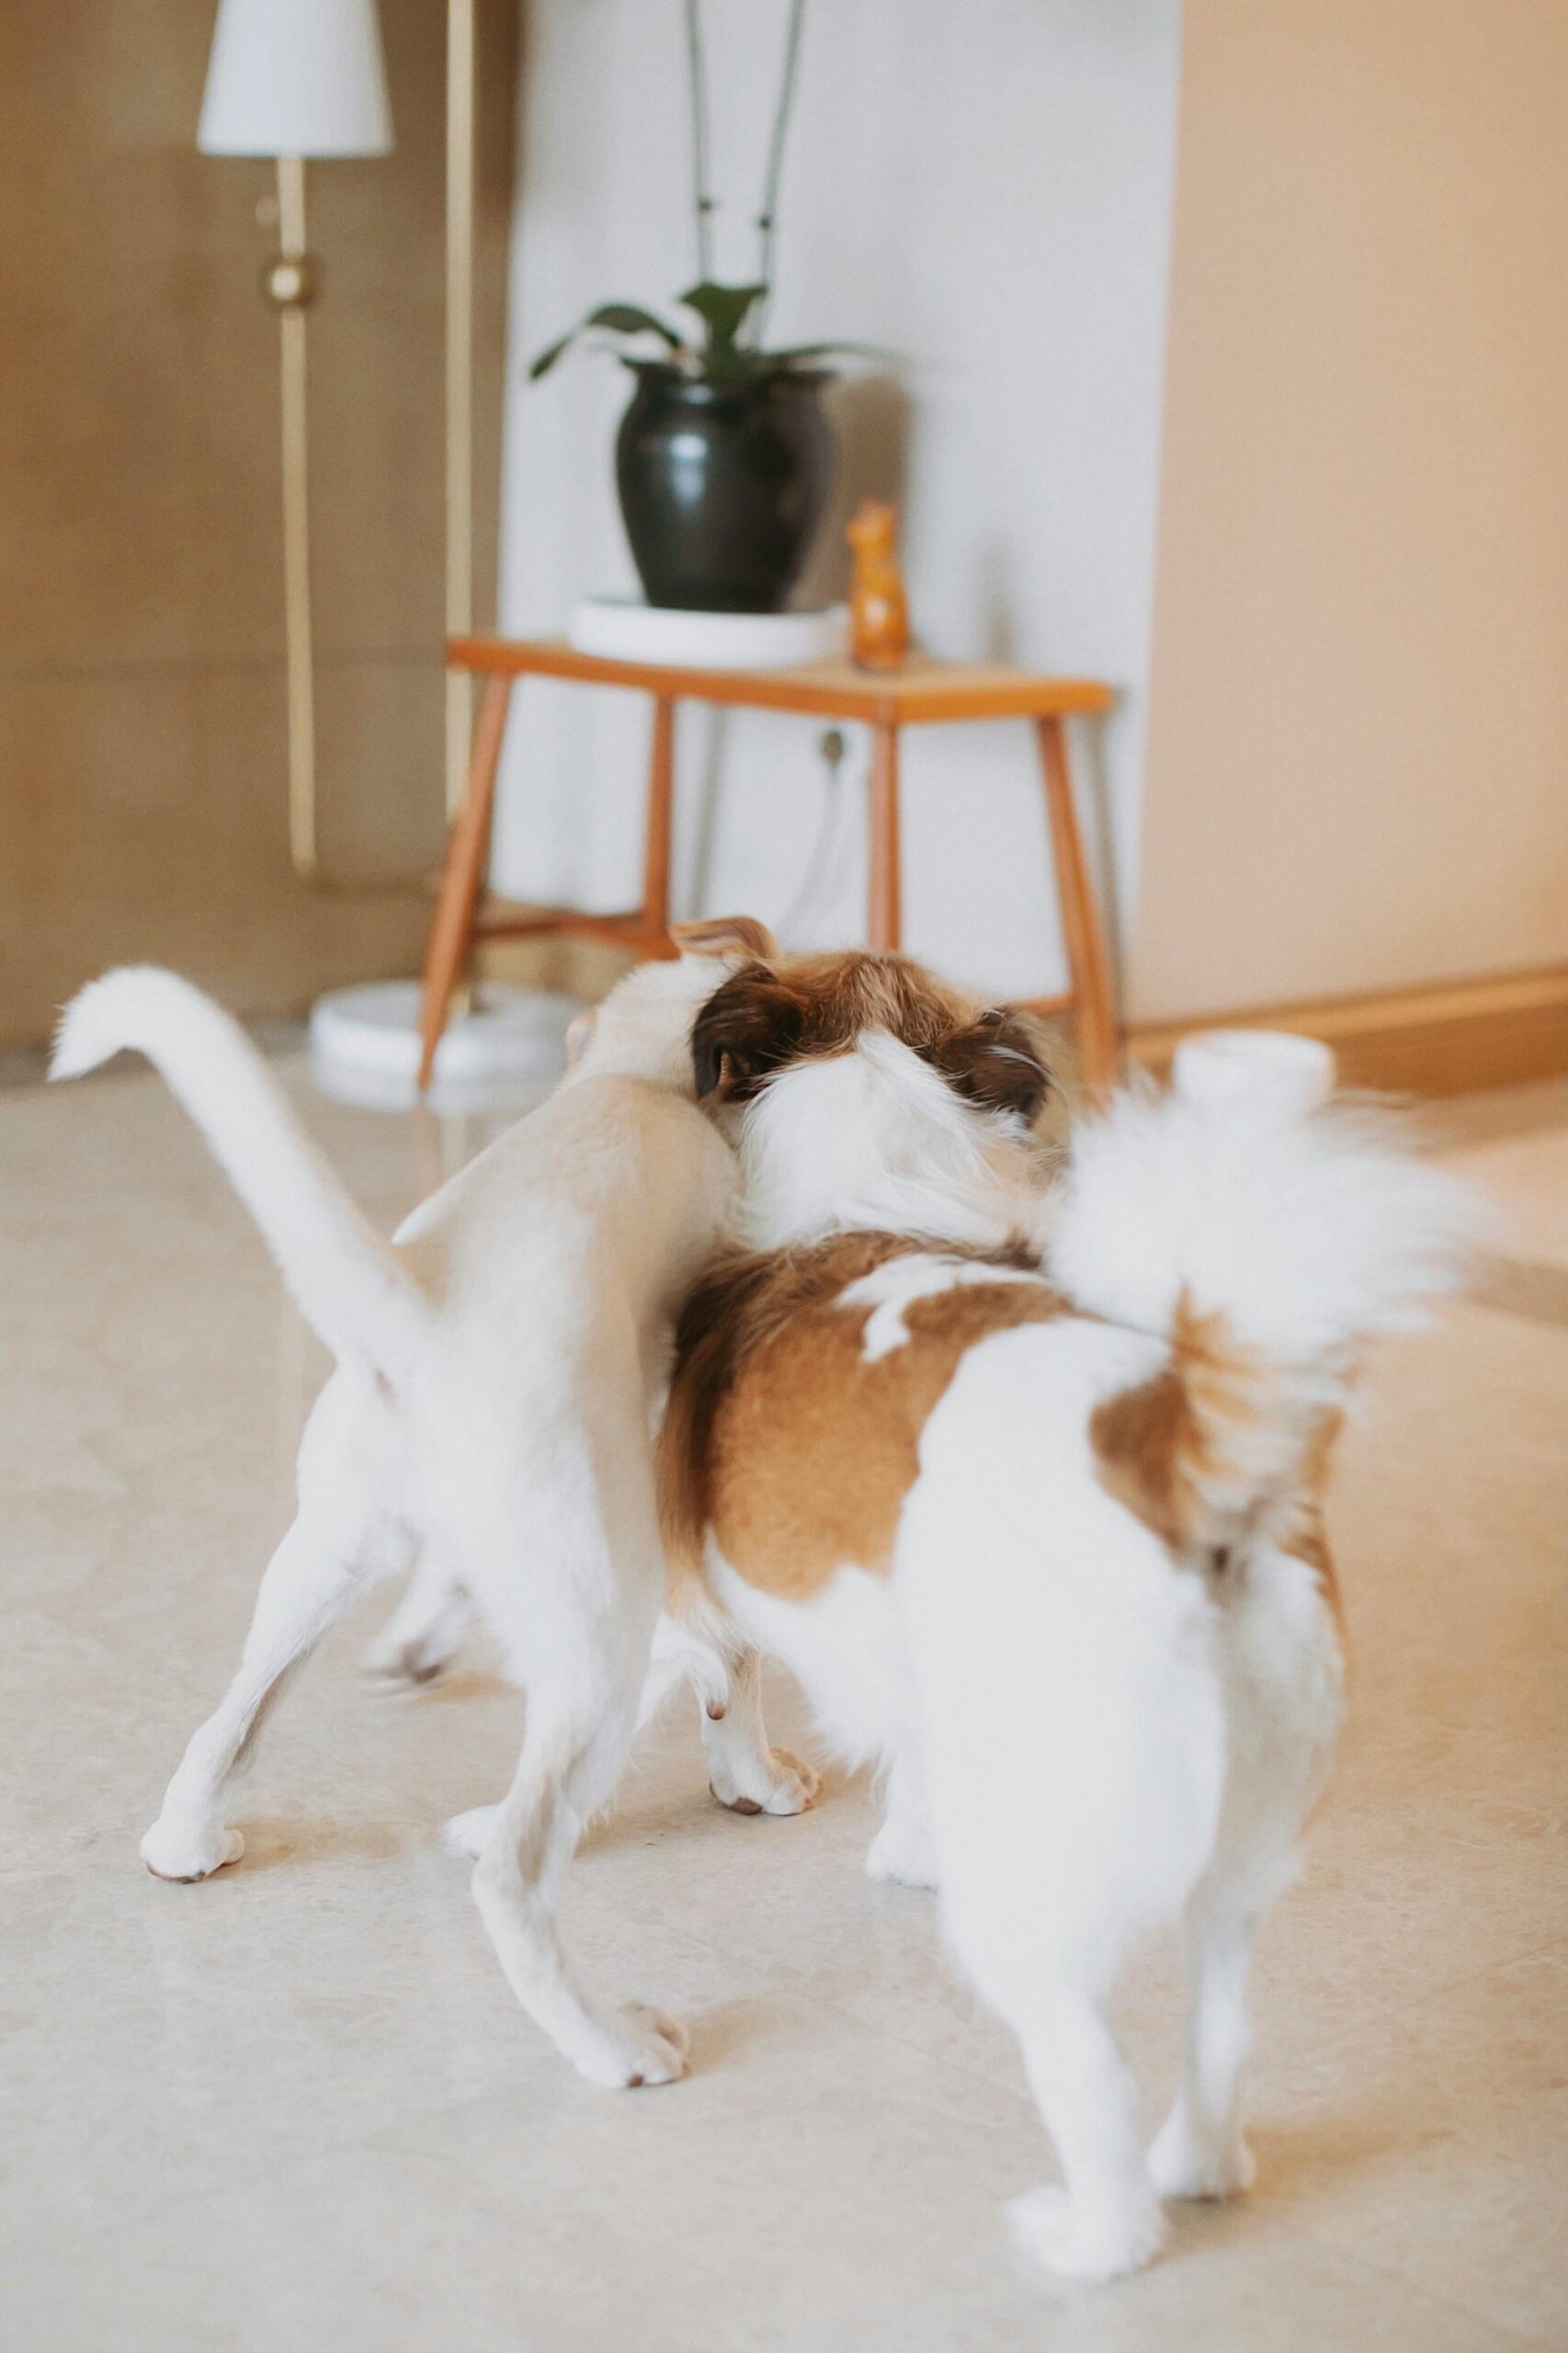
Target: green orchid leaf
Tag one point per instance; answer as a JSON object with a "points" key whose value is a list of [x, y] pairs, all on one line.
{"points": [[723, 310], [620, 318], [630, 318], [545, 360]]}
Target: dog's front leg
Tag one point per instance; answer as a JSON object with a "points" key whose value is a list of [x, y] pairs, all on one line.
{"points": [[703, 1649]]}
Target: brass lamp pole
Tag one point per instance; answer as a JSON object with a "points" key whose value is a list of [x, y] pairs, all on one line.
{"points": [[297, 79], [289, 281], [460, 142]]}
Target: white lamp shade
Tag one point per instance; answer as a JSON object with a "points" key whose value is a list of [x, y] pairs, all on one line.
{"points": [[296, 77]]}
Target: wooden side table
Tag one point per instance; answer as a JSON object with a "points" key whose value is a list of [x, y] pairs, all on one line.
{"points": [[918, 695]]}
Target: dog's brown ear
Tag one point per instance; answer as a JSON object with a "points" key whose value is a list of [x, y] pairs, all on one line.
{"points": [[998, 1062], [747, 1030], [725, 935]]}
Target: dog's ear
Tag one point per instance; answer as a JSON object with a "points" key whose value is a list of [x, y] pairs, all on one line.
{"points": [[725, 935], [579, 1029], [747, 1030], [998, 1062]]}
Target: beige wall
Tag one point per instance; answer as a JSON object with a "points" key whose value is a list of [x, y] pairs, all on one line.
{"points": [[1357, 733], [142, 716]]}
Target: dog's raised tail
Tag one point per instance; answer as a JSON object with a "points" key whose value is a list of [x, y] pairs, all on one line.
{"points": [[349, 1284], [1266, 1231]]}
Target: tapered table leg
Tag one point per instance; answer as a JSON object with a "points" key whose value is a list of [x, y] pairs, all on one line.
{"points": [[463, 876], [884, 915], [656, 842], [1092, 990]]}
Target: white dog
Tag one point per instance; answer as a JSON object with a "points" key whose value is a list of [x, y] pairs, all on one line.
{"points": [[1047, 1544], [498, 1368]]}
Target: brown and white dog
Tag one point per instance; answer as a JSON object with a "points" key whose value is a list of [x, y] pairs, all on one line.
{"points": [[926, 1099], [1025, 1489]]}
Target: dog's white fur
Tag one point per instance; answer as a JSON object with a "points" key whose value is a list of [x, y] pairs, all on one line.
{"points": [[498, 1368], [1105, 1736], [878, 1138]]}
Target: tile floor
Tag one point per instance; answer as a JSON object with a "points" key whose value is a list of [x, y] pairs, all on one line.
{"points": [[295, 2109]]}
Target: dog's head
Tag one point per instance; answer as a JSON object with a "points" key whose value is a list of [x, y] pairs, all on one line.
{"points": [[869, 1090], [777, 1013], [642, 1028]]}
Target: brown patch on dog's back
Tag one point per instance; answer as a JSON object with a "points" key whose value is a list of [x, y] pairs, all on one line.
{"points": [[1145, 1440], [1169, 1449], [783, 1438], [1161, 1444]]}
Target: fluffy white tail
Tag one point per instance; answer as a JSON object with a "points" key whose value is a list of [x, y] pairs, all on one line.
{"points": [[349, 1284], [1268, 1231]]}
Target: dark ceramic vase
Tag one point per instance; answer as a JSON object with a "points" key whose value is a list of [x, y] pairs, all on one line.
{"points": [[721, 485]]}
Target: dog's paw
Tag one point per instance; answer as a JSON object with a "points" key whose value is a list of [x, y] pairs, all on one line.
{"points": [[184, 1850], [399, 1665], [469, 1834], [1074, 2240], [1180, 2165], [640, 2046], [781, 1785], [903, 1856]]}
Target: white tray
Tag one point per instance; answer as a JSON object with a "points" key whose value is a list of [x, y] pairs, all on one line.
{"points": [[622, 629]]}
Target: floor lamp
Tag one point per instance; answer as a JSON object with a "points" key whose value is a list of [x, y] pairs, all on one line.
{"points": [[295, 80]]}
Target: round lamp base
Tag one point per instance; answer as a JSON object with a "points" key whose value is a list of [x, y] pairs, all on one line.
{"points": [[508, 1051]]}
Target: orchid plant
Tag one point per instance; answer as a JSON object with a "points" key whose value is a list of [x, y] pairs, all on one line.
{"points": [[723, 346]]}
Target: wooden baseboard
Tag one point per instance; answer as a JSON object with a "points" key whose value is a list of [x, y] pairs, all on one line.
{"points": [[1449, 1039]]}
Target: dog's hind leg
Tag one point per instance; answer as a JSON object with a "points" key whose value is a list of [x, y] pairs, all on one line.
{"points": [[1281, 1666], [333, 1551], [1108, 2219], [1071, 1732], [577, 1736], [423, 1633], [1201, 2151], [572, 1598]]}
